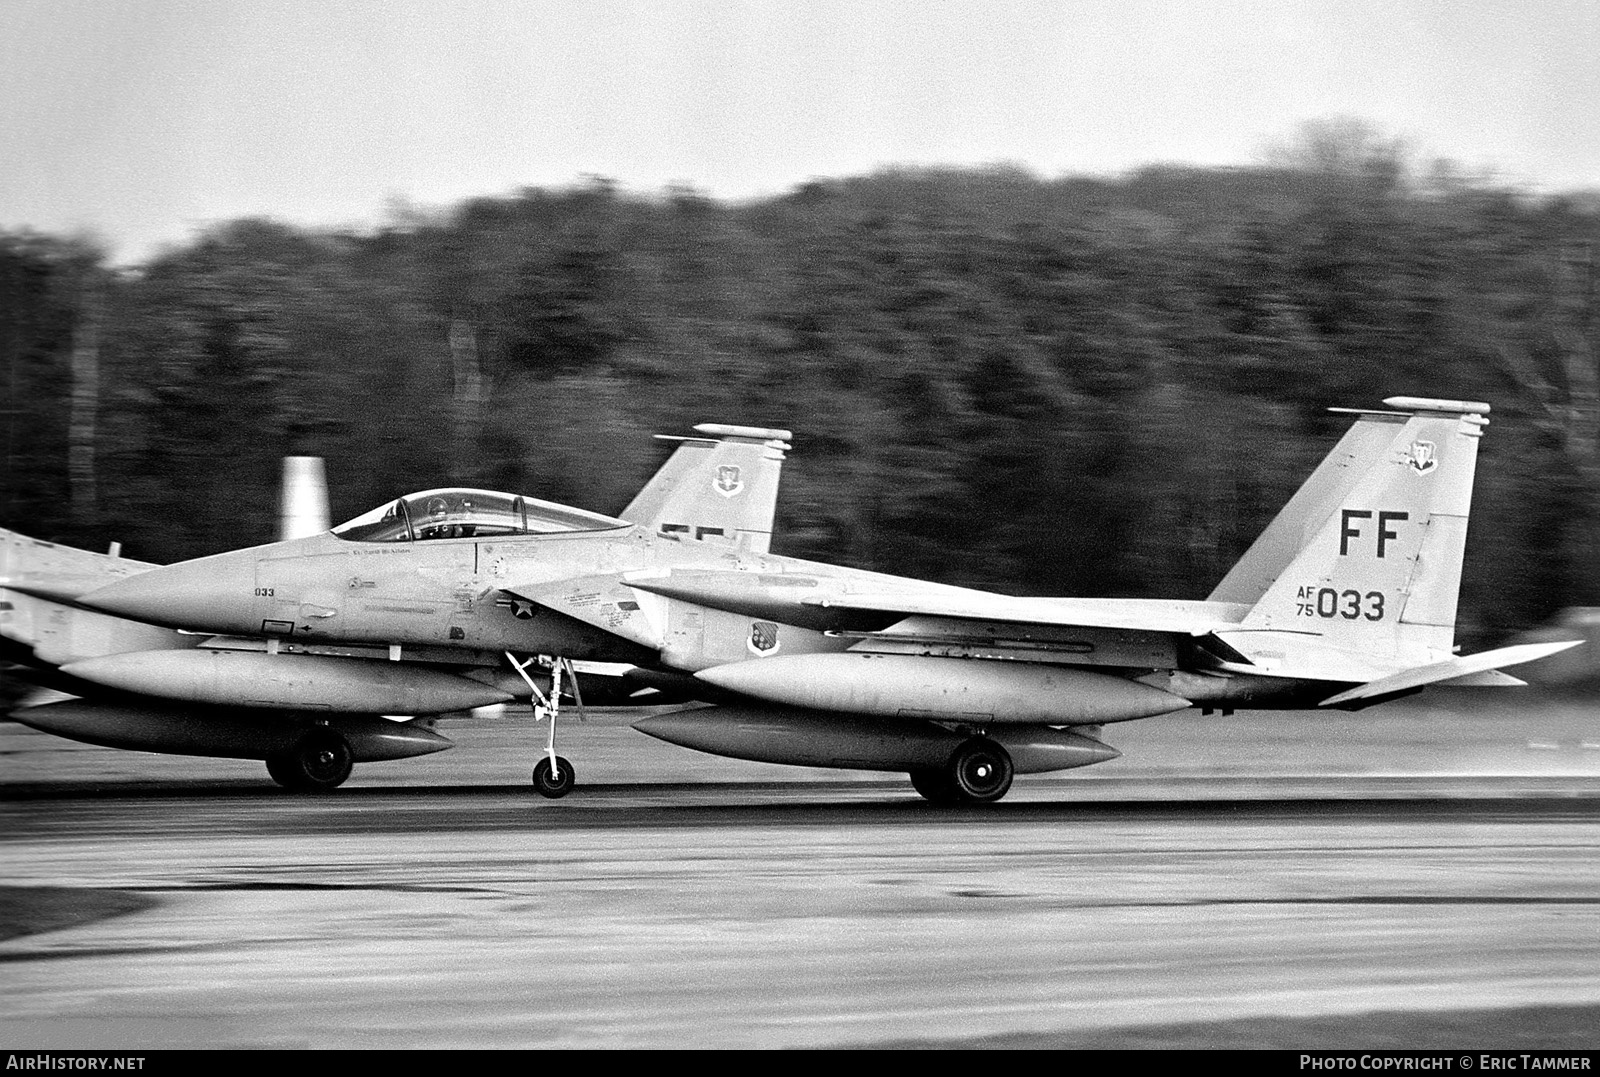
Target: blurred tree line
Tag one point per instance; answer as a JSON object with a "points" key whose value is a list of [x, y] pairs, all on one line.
{"points": [[1076, 386]]}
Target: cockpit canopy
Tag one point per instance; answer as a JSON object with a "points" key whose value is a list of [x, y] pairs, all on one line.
{"points": [[460, 513]]}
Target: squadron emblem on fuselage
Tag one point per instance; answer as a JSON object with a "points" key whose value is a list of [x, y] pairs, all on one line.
{"points": [[763, 638]]}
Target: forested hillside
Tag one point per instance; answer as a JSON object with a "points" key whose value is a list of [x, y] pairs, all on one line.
{"points": [[1099, 387]]}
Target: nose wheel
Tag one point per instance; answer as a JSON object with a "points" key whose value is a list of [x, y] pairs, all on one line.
{"points": [[553, 776], [553, 779]]}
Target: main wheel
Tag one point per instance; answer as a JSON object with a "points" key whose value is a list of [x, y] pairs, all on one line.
{"points": [[282, 770], [321, 760], [979, 772], [559, 785], [934, 786]]}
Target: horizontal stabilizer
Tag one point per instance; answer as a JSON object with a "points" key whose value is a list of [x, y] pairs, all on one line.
{"points": [[1449, 670], [1489, 678]]}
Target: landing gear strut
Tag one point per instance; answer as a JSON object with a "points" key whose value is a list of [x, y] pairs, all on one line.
{"points": [[319, 761], [553, 776], [979, 771]]}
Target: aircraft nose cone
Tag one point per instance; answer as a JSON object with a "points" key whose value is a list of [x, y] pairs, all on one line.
{"points": [[212, 594]]}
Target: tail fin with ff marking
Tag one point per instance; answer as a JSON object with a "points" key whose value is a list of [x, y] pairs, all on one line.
{"points": [[722, 488], [1377, 547], [1361, 449]]}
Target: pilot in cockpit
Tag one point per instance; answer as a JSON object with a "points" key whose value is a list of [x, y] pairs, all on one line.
{"points": [[442, 519], [453, 514]]}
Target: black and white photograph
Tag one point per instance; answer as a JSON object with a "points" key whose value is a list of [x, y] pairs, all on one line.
{"points": [[727, 524]]}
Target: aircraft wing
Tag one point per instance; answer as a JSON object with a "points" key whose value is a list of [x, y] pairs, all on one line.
{"points": [[960, 622], [826, 604], [1131, 614], [943, 614], [932, 618], [951, 621]]}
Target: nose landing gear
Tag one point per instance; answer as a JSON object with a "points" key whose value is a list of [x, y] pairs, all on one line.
{"points": [[553, 776]]}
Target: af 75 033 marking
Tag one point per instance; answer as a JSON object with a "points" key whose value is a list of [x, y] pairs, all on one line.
{"points": [[1327, 602]]}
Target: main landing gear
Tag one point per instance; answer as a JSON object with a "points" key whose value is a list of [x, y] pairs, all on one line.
{"points": [[553, 776], [317, 762], [979, 771]]}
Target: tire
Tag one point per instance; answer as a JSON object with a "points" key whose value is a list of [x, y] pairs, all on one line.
{"points": [[934, 786], [282, 770], [320, 761], [554, 788], [979, 772]]}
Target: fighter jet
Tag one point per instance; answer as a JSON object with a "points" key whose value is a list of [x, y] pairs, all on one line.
{"points": [[1346, 600], [308, 709]]}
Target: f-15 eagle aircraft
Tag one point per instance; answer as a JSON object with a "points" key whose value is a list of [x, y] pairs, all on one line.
{"points": [[308, 709], [1346, 600]]}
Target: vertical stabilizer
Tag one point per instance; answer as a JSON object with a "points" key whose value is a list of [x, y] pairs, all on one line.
{"points": [[720, 489], [1378, 570], [1361, 448]]}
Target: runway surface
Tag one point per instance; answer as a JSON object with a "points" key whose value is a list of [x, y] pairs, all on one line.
{"points": [[1406, 877]]}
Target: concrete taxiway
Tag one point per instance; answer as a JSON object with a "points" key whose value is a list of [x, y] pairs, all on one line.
{"points": [[1265, 880]]}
